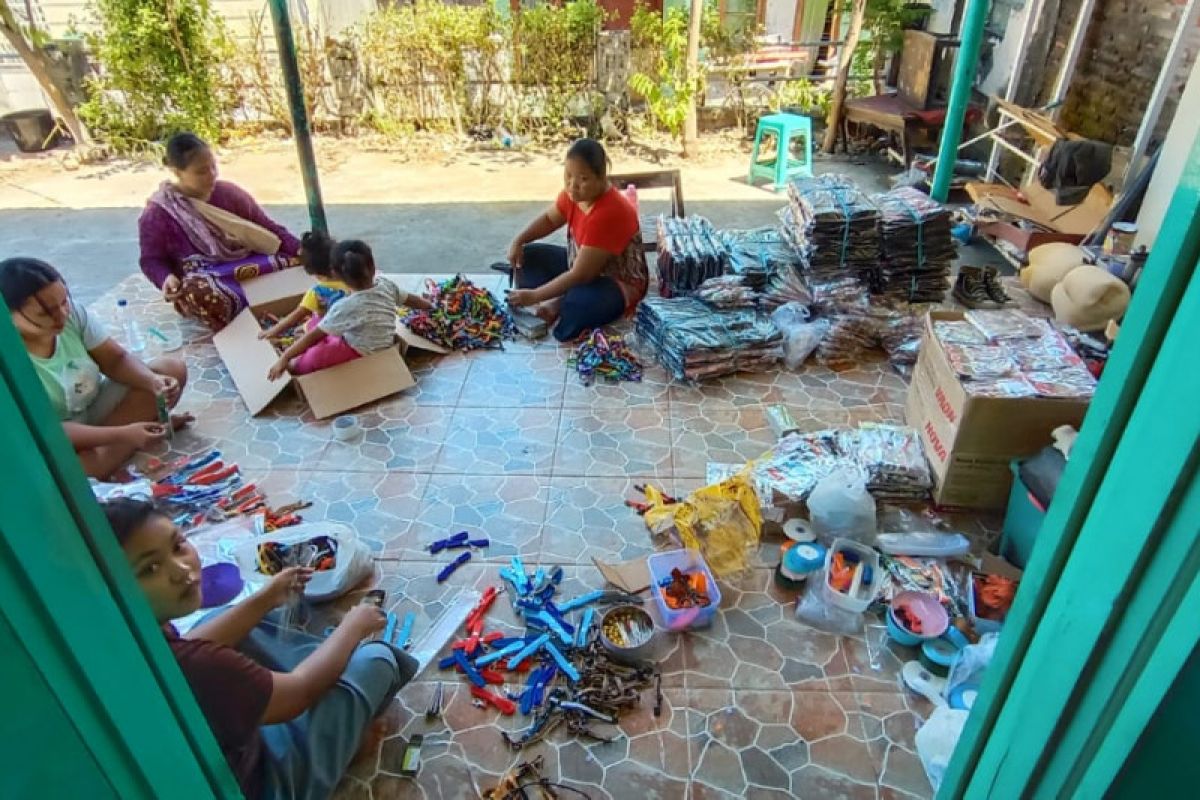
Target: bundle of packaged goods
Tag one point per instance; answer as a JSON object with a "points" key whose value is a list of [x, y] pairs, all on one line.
{"points": [[690, 251], [917, 248], [835, 228], [695, 342], [758, 254]]}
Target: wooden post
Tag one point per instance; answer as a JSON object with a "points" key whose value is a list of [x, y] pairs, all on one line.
{"points": [[690, 127], [37, 63], [845, 61]]}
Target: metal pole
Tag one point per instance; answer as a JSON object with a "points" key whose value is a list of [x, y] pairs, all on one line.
{"points": [[965, 67], [1166, 76], [300, 130]]}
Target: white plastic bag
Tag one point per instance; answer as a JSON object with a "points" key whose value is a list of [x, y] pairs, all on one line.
{"points": [[352, 564], [800, 336], [841, 507], [936, 741], [816, 608]]}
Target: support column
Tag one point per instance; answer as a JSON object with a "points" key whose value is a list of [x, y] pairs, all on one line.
{"points": [[965, 67]]}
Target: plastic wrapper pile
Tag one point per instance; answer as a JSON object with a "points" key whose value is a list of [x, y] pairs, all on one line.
{"points": [[605, 355], [464, 316], [722, 521], [758, 254], [890, 456], [727, 291], [694, 341], [1005, 353], [917, 250], [690, 251], [835, 227]]}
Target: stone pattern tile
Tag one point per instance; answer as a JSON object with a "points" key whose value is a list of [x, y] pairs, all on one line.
{"points": [[511, 445]]}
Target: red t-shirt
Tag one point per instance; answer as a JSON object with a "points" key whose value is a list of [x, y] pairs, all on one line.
{"points": [[611, 225], [233, 692]]}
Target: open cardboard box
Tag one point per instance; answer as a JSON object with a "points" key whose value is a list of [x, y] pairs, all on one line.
{"points": [[1050, 221], [327, 392]]}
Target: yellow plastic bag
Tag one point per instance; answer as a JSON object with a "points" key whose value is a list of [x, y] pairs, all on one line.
{"points": [[723, 521]]}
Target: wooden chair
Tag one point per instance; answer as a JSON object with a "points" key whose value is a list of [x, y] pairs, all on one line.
{"points": [[660, 179]]}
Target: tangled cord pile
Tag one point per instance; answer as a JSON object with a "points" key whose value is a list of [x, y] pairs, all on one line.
{"points": [[464, 316], [607, 356]]}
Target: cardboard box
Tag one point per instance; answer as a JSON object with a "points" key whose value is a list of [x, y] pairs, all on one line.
{"points": [[327, 392], [970, 440]]}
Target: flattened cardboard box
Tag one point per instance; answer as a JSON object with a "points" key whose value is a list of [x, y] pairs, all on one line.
{"points": [[970, 440], [328, 391]]}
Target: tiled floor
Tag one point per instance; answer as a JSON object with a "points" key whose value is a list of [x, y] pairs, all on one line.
{"points": [[509, 444]]}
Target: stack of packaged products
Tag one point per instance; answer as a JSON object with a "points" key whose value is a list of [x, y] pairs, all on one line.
{"points": [[694, 341], [759, 254], [917, 249], [1006, 353], [890, 456], [727, 291], [834, 227], [690, 251]]}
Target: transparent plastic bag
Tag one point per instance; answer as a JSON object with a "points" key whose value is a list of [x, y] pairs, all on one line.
{"points": [[353, 561], [817, 610], [800, 336], [936, 741], [841, 507]]}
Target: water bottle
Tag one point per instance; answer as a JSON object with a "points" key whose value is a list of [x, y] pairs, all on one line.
{"points": [[134, 342]]}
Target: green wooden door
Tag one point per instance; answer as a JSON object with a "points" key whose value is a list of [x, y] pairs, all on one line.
{"points": [[1105, 620], [93, 698]]}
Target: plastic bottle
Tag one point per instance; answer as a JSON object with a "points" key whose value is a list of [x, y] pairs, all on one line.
{"points": [[134, 341]]}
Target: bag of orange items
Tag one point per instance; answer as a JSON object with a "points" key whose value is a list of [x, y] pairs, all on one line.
{"points": [[723, 521]]}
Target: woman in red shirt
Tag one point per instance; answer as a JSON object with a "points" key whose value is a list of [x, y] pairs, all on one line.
{"points": [[601, 274]]}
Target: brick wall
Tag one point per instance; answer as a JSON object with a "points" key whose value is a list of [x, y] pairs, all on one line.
{"points": [[1126, 45]]}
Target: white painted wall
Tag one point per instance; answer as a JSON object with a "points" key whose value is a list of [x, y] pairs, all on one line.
{"points": [[779, 20], [996, 81], [1175, 150]]}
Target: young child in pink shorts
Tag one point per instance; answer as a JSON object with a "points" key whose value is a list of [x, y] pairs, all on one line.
{"points": [[361, 323]]}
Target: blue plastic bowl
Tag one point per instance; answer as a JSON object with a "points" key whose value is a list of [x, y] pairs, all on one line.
{"points": [[899, 634]]}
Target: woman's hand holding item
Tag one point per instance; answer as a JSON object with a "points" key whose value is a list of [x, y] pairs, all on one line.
{"points": [[518, 298], [167, 385], [170, 288], [364, 620], [283, 586], [142, 434]]}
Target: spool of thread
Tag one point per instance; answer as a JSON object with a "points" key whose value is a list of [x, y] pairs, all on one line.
{"points": [[799, 530], [937, 655], [801, 560], [346, 428]]}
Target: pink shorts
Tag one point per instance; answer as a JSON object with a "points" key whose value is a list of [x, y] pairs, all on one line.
{"points": [[329, 352]]}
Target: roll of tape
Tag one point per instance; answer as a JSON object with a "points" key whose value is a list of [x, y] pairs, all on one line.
{"points": [[963, 696], [802, 559], [799, 530], [937, 655]]}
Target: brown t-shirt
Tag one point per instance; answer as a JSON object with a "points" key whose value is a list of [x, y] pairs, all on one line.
{"points": [[233, 693]]}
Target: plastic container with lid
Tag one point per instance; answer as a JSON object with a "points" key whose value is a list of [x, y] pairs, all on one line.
{"points": [[660, 565], [867, 578]]}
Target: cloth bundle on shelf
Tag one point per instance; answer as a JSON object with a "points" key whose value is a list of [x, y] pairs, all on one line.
{"points": [[694, 341], [690, 251], [917, 249]]}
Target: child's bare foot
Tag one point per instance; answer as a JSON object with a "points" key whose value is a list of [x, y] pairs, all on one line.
{"points": [[547, 311], [371, 739], [181, 421]]}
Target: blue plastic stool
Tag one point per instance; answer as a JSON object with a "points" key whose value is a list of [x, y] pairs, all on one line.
{"points": [[785, 128]]}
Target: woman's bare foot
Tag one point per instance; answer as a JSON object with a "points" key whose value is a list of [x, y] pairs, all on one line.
{"points": [[181, 421], [371, 739], [548, 311]]}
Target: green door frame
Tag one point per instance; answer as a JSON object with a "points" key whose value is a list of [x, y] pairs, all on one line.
{"points": [[1104, 619], [76, 612]]}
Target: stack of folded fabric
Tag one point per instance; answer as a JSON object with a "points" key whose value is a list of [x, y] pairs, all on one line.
{"points": [[835, 226], [917, 249], [758, 254], [694, 342], [690, 251]]}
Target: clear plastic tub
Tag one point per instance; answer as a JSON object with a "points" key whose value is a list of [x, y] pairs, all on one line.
{"points": [[660, 565], [863, 591]]}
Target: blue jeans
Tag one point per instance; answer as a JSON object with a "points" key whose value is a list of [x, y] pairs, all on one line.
{"points": [[304, 759], [591, 305]]}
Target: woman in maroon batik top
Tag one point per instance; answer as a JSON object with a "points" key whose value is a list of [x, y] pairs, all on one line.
{"points": [[201, 237]]}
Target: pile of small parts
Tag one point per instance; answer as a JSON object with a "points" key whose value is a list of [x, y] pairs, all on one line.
{"points": [[686, 590], [569, 676], [318, 553], [605, 355], [464, 316]]}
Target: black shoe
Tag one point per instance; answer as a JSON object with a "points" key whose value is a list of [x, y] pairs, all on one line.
{"points": [[969, 289], [502, 266], [993, 287]]}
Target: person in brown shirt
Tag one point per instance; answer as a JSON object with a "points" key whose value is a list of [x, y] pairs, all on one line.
{"points": [[289, 714]]}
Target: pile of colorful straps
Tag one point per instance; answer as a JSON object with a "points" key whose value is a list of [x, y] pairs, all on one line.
{"points": [[464, 316], [605, 355]]}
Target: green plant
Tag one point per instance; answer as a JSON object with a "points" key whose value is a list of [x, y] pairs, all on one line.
{"points": [[802, 94], [160, 71], [253, 72], [662, 78], [886, 20], [554, 50]]}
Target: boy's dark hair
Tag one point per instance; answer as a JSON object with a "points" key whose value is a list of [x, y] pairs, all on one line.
{"points": [[316, 254], [22, 278], [590, 152], [354, 263], [182, 148], [126, 515]]}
